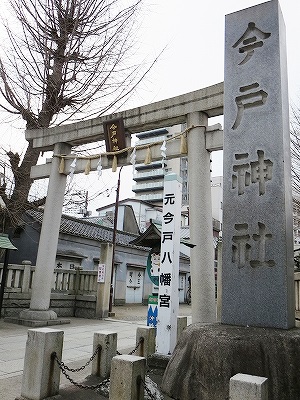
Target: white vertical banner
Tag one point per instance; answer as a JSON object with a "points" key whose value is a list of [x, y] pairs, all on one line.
{"points": [[168, 295]]}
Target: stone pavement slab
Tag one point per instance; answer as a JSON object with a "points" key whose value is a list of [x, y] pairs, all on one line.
{"points": [[77, 348]]}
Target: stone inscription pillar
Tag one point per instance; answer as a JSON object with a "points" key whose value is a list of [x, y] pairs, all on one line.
{"points": [[45, 263], [201, 229], [258, 287]]}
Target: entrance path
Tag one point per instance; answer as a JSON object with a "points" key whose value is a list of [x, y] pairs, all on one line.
{"points": [[77, 348]]}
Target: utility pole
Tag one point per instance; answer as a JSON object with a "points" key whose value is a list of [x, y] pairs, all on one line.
{"points": [[111, 293]]}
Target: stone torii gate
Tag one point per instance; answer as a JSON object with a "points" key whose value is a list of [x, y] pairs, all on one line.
{"points": [[194, 109]]}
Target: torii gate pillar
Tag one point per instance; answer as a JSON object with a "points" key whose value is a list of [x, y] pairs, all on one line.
{"points": [[42, 283], [201, 229]]}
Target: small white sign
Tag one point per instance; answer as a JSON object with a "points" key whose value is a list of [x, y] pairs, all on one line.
{"points": [[101, 273]]}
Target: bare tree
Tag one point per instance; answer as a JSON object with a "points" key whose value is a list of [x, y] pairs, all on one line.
{"points": [[295, 150], [295, 154], [66, 59]]}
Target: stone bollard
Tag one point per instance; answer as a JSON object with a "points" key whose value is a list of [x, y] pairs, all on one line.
{"points": [[248, 387], [41, 374], [127, 377], [147, 346], [181, 325], [102, 362]]}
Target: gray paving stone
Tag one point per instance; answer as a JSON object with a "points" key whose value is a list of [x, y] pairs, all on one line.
{"points": [[77, 349]]}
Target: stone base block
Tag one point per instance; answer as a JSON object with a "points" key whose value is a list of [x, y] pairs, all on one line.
{"points": [[248, 387], [37, 318], [38, 315], [207, 356], [36, 323]]}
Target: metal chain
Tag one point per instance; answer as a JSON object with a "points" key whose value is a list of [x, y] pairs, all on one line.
{"points": [[146, 389], [63, 369], [141, 340], [100, 385], [98, 349]]}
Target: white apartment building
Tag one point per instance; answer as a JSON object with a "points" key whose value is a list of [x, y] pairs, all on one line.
{"points": [[149, 179]]}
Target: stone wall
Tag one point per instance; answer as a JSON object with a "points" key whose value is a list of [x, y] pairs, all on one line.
{"points": [[85, 306], [14, 303], [65, 305]]}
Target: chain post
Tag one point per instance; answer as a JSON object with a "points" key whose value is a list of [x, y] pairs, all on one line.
{"points": [[64, 368]]}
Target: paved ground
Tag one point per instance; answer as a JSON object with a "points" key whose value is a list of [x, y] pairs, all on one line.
{"points": [[77, 348]]}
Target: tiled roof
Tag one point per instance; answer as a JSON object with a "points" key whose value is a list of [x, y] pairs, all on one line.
{"points": [[86, 229], [152, 235]]}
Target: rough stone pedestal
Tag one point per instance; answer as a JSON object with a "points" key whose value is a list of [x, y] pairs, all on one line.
{"points": [[37, 318], [207, 356]]}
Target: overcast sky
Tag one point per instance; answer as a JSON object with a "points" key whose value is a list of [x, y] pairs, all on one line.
{"points": [[193, 33]]}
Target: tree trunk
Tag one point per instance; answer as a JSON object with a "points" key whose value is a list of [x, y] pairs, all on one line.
{"points": [[18, 202]]}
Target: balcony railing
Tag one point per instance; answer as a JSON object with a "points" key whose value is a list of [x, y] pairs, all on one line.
{"points": [[154, 173], [150, 197], [144, 187]]}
